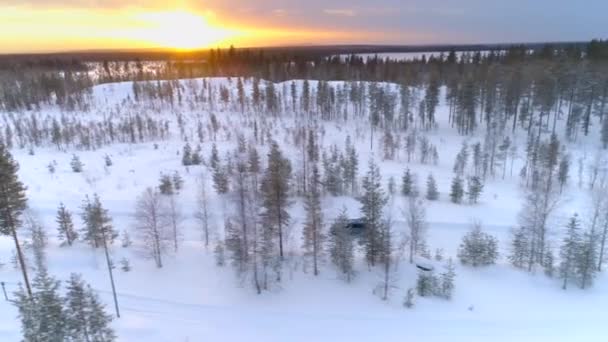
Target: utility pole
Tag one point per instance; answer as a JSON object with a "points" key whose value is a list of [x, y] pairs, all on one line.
{"points": [[4, 291], [109, 263]]}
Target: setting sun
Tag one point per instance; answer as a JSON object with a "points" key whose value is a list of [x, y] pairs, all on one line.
{"points": [[181, 30]]}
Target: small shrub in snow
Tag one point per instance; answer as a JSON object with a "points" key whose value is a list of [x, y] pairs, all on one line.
{"points": [[125, 239], [429, 284], [220, 258], [408, 301], [178, 181], [125, 266], [108, 160], [51, 168], [478, 248], [439, 254], [166, 185], [76, 164]]}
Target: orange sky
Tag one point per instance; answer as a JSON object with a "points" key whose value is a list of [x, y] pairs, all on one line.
{"points": [[62, 25], [26, 29]]}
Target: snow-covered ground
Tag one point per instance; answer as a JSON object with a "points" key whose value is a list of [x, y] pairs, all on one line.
{"points": [[191, 299]]}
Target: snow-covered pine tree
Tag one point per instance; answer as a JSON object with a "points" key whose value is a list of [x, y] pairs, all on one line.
{"points": [[461, 160], [99, 321], [341, 246], [98, 227], [426, 284], [187, 155], [432, 194], [408, 184], [312, 235], [586, 263], [372, 207], [76, 164], [13, 202], [475, 187], [457, 190], [478, 248], [569, 251], [65, 226], [520, 248], [446, 279], [275, 194], [49, 316], [219, 173]]}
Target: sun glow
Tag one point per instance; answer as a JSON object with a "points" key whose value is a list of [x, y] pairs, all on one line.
{"points": [[181, 30]]}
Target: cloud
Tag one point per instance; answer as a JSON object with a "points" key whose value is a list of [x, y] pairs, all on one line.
{"points": [[340, 12]]}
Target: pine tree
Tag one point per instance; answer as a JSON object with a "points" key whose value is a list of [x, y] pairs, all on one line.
{"points": [[461, 160], [49, 315], [98, 229], [275, 194], [426, 284], [432, 194], [220, 177], [187, 155], [457, 190], [475, 187], [520, 248], [312, 234], [447, 280], [12, 204], [99, 321], [586, 263], [341, 247], [408, 186], [372, 206], [569, 251], [77, 310], [76, 164], [67, 233]]}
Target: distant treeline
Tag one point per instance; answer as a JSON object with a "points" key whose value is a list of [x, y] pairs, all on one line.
{"points": [[28, 81]]}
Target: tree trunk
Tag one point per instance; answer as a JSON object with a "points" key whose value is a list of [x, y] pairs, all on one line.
{"points": [[21, 260]]}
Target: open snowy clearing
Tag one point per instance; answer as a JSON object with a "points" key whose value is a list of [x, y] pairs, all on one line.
{"points": [[191, 299]]}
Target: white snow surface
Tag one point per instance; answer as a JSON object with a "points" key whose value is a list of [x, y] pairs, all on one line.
{"points": [[191, 299]]}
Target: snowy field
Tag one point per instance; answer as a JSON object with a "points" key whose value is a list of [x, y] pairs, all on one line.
{"points": [[192, 299]]}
